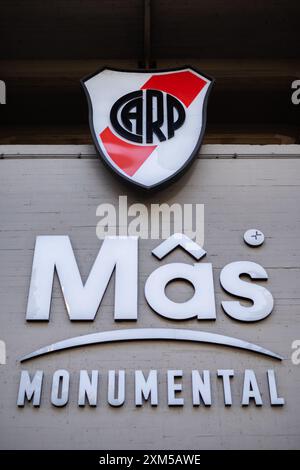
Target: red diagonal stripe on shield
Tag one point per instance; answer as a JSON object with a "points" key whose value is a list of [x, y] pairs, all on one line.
{"points": [[128, 157], [184, 85]]}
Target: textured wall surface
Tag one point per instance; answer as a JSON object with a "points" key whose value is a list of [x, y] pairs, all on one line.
{"points": [[48, 196]]}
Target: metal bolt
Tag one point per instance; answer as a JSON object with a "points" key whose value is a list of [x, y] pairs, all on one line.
{"points": [[254, 237]]}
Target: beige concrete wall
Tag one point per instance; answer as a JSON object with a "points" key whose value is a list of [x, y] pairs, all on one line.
{"points": [[42, 196]]}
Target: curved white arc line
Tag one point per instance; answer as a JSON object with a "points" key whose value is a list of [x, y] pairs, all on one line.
{"points": [[150, 334]]}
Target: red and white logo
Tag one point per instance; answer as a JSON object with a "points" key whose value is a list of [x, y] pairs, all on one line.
{"points": [[148, 126]]}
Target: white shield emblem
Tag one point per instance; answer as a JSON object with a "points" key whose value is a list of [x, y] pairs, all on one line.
{"points": [[147, 126]]}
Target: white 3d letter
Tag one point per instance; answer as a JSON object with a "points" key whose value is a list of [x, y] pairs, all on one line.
{"points": [[262, 299], [201, 305], [82, 301]]}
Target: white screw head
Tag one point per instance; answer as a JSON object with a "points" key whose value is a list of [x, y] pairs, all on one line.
{"points": [[254, 237]]}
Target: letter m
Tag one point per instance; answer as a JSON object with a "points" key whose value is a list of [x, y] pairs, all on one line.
{"points": [[55, 253]]}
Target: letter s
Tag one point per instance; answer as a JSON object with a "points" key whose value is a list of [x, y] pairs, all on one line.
{"points": [[262, 299]]}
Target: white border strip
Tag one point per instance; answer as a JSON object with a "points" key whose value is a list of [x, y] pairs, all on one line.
{"points": [[207, 151]]}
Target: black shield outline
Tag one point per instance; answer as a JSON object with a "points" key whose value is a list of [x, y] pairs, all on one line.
{"points": [[188, 161]]}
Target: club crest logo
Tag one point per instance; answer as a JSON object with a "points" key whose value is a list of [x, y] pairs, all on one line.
{"points": [[147, 126]]}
